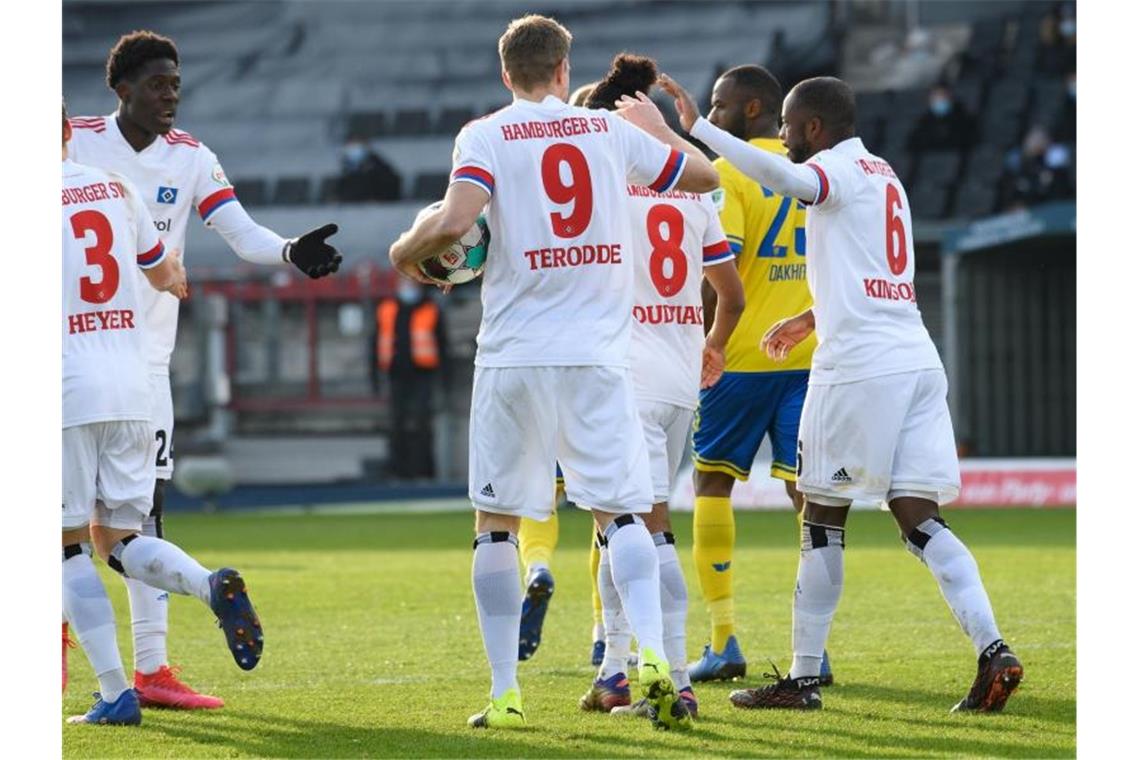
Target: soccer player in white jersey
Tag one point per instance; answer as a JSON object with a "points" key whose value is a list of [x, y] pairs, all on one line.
{"points": [[677, 242], [177, 175], [108, 471], [552, 379], [875, 423]]}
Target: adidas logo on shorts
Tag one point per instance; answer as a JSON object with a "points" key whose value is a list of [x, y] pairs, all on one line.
{"points": [[841, 476], [488, 491]]}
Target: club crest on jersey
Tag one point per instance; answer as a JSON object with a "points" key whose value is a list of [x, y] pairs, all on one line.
{"points": [[167, 195]]}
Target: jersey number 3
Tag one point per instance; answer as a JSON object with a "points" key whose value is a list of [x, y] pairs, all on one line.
{"points": [[666, 248], [98, 255]]}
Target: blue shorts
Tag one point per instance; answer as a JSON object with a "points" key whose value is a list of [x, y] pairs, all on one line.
{"points": [[735, 414]]}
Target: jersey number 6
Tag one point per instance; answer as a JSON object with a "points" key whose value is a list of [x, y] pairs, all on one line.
{"points": [[578, 191], [896, 232], [98, 255]]}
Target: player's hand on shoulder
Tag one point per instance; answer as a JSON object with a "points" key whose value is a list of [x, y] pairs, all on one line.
{"points": [[641, 112], [312, 255], [712, 366], [686, 107]]}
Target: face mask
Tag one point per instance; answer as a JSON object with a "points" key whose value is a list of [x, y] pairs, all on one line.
{"points": [[939, 106], [407, 293], [1068, 27], [354, 152], [1072, 86]]}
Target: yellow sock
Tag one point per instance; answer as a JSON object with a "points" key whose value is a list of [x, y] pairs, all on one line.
{"points": [[714, 533], [595, 560], [538, 539]]}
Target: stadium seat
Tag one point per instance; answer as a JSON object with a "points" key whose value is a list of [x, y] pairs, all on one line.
{"points": [[329, 190], [252, 192], [976, 199], [292, 191], [927, 200], [451, 120], [410, 121], [430, 186], [940, 168], [367, 124]]}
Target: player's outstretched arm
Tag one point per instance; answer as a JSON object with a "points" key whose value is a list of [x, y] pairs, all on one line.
{"points": [[775, 172], [261, 245], [783, 336], [438, 229], [698, 175], [725, 281]]}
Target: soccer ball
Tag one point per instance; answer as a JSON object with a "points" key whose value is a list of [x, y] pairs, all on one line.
{"points": [[464, 260]]}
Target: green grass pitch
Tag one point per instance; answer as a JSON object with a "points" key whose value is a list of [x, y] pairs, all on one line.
{"points": [[373, 649]]}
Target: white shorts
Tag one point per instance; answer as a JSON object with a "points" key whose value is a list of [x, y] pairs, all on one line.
{"points": [[162, 422], [666, 428], [862, 440], [524, 419], [107, 462]]}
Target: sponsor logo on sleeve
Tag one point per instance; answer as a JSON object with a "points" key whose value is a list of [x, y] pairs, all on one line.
{"points": [[219, 176]]}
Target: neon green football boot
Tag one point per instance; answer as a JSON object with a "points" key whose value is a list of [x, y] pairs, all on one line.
{"points": [[504, 712], [666, 709]]}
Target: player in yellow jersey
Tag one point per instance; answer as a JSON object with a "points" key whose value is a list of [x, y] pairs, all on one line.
{"points": [[756, 397]]}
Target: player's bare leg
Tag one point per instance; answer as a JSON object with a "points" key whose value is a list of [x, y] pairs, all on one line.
{"points": [[930, 539], [88, 608], [498, 600], [819, 582], [156, 683], [714, 537]]}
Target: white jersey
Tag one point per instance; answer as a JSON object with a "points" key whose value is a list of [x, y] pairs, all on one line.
{"points": [[558, 283], [176, 176], [860, 269], [107, 234], [675, 235]]}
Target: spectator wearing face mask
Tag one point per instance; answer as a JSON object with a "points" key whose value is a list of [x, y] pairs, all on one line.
{"points": [[946, 124], [1065, 124], [1037, 172], [410, 350], [365, 176], [1057, 46]]}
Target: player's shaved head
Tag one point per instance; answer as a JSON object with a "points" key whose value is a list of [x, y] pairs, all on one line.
{"points": [[532, 49], [818, 113], [133, 51], [629, 74], [746, 102]]}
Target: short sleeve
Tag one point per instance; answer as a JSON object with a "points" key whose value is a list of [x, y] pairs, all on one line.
{"points": [[471, 161], [648, 161], [149, 250], [834, 174], [715, 247], [212, 189], [729, 205]]}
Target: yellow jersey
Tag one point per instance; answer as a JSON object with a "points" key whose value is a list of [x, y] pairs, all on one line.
{"points": [[766, 231]]}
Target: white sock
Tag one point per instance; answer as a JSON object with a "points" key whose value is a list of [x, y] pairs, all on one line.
{"points": [[617, 631], [159, 563], [498, 599], [633, 565], [819, 582], [958, 577], [674, 609], [148, 625], [88, 610]]}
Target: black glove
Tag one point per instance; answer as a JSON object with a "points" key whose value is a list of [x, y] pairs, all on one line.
{"points": [[311, 254]]}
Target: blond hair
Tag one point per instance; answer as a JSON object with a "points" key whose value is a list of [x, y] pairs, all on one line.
{"points": [[531, 50]]}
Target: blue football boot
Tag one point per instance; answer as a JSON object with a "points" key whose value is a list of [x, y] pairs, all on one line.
{"points": [[598, 653], [539, 589], [124, 711], [236, 617], [719, 666]]}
